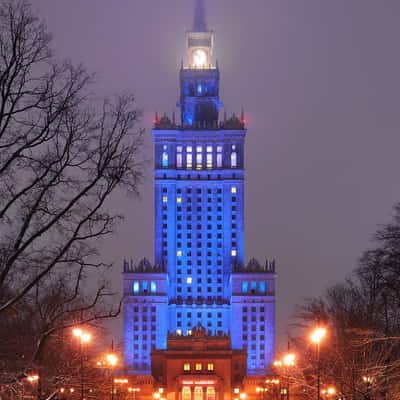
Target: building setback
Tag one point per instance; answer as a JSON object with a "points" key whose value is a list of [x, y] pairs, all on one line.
{"points": [[199, 302]]}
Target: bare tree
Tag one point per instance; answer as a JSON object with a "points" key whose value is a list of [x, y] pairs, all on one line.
{"points": [[362, 356], [63, 153]]}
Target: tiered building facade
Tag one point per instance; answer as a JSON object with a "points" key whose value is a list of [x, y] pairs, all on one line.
{"points": [[199, 303]]}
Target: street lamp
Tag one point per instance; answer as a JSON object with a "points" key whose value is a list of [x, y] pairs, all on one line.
{"points": [[368, 380], [330, 391], [110, 361], [316, 337], [288, 361], [84, 337]]}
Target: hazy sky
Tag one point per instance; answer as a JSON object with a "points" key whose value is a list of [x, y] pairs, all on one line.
{"points": [[320, 83]]}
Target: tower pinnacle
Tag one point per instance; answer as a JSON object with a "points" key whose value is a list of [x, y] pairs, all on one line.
{"points": [[200, 23]]}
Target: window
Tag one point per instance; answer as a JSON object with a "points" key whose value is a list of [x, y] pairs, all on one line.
{"points": [[199, 157], [245, 287], [189, 157], [233, 189], [253, 286], [209, 159], [262, 287], [153, 287], [165, 199], [144, 287], [199, 366], [233, 157], [186, 367], [136, 287], [179, 156], [179, 200], [210, 367], [165, 157], [189, 280], [219, 156], [234, 252], [179, 253], [198, 393], [186, 393]]}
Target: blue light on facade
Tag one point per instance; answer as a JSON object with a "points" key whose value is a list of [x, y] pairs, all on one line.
{"points": [[199, 275]]}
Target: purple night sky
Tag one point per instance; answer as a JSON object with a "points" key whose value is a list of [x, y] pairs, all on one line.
{"points": [[320, 83]]}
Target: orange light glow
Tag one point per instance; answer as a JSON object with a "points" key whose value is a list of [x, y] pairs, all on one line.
{"points": [[318, 334]]}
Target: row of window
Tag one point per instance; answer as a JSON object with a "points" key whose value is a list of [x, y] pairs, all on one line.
{"points": [[198, 367], [202, 153], [253, 287], [144, 287], [200, 191]]}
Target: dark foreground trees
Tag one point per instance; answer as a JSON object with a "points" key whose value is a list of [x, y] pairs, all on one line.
{"points": [[63, 153], [361, 355]]}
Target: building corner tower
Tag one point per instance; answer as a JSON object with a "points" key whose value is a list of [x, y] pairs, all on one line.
{"points": [[199, 283]]}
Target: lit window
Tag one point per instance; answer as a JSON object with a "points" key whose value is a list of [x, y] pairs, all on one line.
{"points": [[179, 333], [199, 366], [210, 367], [179, 156], [186, 367], [245, 287], [189, 280], [179, 253], [199, 157], [253, 286], [179, 200], [233, 159], [189, 332], [209, 161], [165, 159], [144, 286], [262, 287], [153, 287], [233, 189], [165, 199], [219, 156], [189, 160], [233, 252], [136, 287]]}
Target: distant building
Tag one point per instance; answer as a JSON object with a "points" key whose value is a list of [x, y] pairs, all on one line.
{"points": [[199, 304]]}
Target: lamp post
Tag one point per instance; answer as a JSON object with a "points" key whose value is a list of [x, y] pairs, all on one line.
{"points": [[316, 337], [367, 379], [111, 360], [84, 338], [288, 361], [133, 391]]}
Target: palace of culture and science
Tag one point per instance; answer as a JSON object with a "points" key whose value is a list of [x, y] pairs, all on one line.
{"points": [[200, 320]]}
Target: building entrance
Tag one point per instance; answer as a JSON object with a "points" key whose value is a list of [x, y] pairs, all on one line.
{"points": [[198, 393]]}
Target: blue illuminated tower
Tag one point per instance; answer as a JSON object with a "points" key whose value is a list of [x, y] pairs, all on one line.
{"points": [[199, 275]]}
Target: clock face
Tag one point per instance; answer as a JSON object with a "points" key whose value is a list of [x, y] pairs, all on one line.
{"points": [[199, 58]]}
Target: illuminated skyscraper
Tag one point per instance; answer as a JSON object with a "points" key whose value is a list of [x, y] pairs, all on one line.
{"points": [[199, 276]]}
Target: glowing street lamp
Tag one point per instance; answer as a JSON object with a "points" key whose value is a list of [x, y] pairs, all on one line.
{"points": [[368, 380], [288, 361], [84, 337], [316, 337], [32, 378], [329, 391]]}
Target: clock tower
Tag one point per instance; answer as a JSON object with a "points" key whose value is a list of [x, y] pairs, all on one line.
{"points": [[199, 293]]}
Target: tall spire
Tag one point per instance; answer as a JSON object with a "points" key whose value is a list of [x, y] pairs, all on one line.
{"points": [[200, 23]]}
